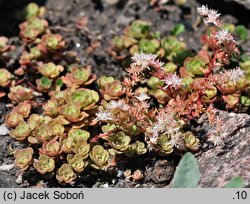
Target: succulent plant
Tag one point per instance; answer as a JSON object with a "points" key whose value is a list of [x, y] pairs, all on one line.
{"points": [[82, 148], [85, 98], [23, 108], [246, 67], [172, 46], [170, 67], [78, 76], [149, 109], [99, 156], [41, 133], [23, 158], [72, 112], [5, 77], [108, 127], [51, 108], [59, 96], [231, 100], [191, 142], [33, 10], [121, 42], [137, 148], [51, 148], [164, 144], [13, 118], [149, 46], [56, 126], [35, 120], [44, 164], [78, 135], [4, 44], [20, 93], [195, 66], [138, 29], [51, 42], [21, 131], [65, 174], [50, 70], [31, 29], [28, 58], [67, 144], [112, 90], [77, 162], [103, 80], [119, 141], [161, 96], [245, 101], [137, 175], [154, 83], [44, 84]]}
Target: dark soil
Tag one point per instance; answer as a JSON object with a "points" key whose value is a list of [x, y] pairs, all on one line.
{"points": [[106, 18]]}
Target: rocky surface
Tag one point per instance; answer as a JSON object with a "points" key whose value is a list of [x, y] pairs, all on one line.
{"points": [[219, 164]]}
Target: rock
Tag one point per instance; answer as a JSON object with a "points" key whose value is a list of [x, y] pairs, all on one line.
{"points": [[4, 141], [161, 172], [219, 164], [7, 180], [110, 2]]}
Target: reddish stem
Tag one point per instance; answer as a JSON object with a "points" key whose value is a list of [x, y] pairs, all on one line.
{"points": [[97, 137]]}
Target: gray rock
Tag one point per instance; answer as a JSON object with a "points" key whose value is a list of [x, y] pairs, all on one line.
{"points": [[4, 141], [219, 164], [7, 180]]}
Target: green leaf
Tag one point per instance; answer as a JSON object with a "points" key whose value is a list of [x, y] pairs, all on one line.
{"points": [[46, 81], [178, 29], [59, 82], [187, 174], [235, 182], [242, 32]]}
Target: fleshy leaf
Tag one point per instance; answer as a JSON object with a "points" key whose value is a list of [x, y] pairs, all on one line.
{"points": [[235, 182], [187, 174]]}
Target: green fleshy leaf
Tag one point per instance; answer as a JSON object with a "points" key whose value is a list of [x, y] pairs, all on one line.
{"points": [[235, 182], [187, 174], [242, 32], [178, 29], [59, 82], [46, 81]]}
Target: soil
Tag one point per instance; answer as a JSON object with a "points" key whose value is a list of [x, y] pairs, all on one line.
{"points": [[106, 18]]}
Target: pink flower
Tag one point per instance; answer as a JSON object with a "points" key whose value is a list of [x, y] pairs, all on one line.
{"points": [[173, 81], [203, 10], [118, 104], [223, 35], [210, 14], [233, 75], [142, 97], [103, 116], [143, 60]]}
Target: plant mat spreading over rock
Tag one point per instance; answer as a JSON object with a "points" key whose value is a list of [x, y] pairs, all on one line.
{"points": [[76, 124]]}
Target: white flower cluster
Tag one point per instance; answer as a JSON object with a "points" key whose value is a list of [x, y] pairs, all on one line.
{"points": [[165, 124], [233, 75], [118, 104], [223, 35], [173, 81], [142, 97], [143, 60], [103, 115], [210, 14]]}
